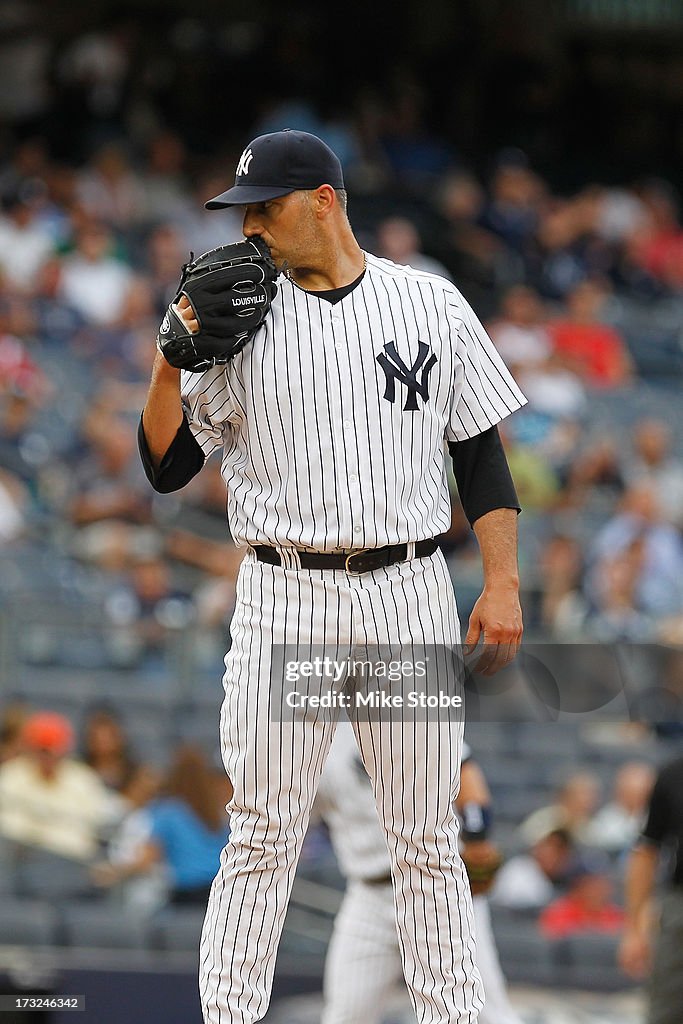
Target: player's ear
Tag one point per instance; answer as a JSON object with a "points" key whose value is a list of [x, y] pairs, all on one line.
{"points": [[324, 200]]}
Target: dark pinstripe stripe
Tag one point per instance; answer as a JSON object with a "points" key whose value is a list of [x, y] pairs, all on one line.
{"points": [[371, 374]]}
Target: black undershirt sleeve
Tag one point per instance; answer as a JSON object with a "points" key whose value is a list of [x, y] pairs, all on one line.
{"points": [[183, 460], [483, 475], [659, 824]]}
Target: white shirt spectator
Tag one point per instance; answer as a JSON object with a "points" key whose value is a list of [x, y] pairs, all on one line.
{"points": [[63, 814], [553, 390], [96, 290], [522, 885], [521, 345], [23, 251]]}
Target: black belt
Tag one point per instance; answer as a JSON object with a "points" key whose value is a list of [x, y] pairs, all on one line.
{"points": [[353, 562], [384, 879]]}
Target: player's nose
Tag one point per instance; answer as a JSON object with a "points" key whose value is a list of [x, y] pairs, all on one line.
{"points": [[250, 224]]}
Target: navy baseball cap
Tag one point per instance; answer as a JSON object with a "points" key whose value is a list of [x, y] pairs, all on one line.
{"points": [[279, 163]]}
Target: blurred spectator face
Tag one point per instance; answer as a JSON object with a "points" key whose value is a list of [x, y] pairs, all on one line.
{"points": [[151, 579], [47, 738], [139, 303], [462, 198], [652, 441], [19, 318], [104, 736], [94, 242], [18, 211], [515, 186], [166, 155], [641, 501], [559, 227], [561, 559], [61, 185], [114, 443], [662, 204], [30, 158], [165, 252], [522, 306], [633, 785], [585, 302], [580, 795], [205, 189], [592, 890], [397, 239], [619, 577], [12, 721], [552, 854], [142, 786], [116, 451], [111, 162]]}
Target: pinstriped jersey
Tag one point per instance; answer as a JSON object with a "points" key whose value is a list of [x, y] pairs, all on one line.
{"points": [[334, 419]]}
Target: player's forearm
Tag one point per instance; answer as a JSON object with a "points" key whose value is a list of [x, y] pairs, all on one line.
{"points": [[639, 886], [496, 533], [473, 786], [163, 412]]}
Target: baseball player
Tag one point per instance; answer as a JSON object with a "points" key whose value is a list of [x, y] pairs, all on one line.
{"points": [[335, 393], [363, 961]]}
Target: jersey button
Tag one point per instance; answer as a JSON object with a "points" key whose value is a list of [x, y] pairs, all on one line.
{"points": [[347, 424], [356, 529], [353, 478]]}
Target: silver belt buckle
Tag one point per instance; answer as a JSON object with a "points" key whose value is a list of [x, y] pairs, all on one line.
{"points": [[349, 568]]}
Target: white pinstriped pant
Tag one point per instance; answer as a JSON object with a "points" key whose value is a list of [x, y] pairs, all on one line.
{"points": [[275, 768]]}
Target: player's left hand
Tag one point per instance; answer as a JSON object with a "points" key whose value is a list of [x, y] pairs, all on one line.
{"points": [[482, 859], [497, 618]]}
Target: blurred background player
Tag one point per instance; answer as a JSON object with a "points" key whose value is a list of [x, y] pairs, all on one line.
{"points": [[648, 946], [363, 961]]}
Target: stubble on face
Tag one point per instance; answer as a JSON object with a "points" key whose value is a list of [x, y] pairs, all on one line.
{"points": [[296, 242]]}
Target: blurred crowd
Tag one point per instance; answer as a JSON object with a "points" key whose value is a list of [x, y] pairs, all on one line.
{"points": [[102, 185], [582, 294], [103, 176], [144, 839], [114, 822]]}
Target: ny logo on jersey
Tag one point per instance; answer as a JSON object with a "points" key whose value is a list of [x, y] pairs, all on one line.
{"points": [[396, 370], [245, 160]]}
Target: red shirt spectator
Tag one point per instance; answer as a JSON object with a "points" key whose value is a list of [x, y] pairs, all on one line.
{"points": [[597, 349], [587, 906], [593, 349]]}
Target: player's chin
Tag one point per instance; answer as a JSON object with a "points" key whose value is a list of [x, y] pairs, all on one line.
{"points": [[276, 255]]}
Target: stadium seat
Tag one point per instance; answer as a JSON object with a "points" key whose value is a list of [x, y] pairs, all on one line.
{"points": [[101, 925], [589, 960], [512, 805], [26, 922], [525, 955], [547, 739], [178, 928], [495, 738], [44, 875]]}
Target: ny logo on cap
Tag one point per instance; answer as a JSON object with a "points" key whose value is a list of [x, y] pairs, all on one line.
{"points": [[245, 160]]}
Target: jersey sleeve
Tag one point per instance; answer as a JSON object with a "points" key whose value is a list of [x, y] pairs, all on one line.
{"points": [[208, 406], [484, 390]]}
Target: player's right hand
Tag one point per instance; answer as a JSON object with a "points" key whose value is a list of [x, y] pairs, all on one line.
{"points": [[184, 308]]}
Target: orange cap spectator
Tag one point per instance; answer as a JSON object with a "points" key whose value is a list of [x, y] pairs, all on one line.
{"points": [[46, 730]]}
